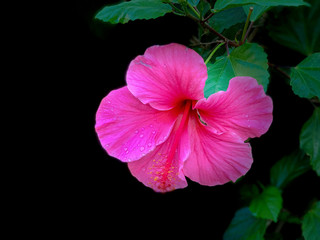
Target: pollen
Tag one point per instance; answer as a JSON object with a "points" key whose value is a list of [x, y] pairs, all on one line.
{"points": [[162, 174]]}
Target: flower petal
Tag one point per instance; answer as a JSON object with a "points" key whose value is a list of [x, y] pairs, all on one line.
{"points": [[215, 158], [160, 172], [243, 109], [129, 129], [166, 75]]}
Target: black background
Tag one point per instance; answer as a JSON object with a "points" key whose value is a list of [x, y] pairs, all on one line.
{"points": [[91, 193]]}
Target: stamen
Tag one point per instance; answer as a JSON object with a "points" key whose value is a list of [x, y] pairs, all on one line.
{"points": [[168, 165]]}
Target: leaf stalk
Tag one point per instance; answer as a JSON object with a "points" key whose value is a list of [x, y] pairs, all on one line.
{"points": [[213, 52], [244, 33]]}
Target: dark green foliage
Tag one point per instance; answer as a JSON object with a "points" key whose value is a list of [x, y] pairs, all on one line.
{"points": [[299, 29], [225, 19], [224, 4], [288, 168], [305, 78], [311, 223], [310, 139], [268, 204], [133, 10], [245, 226]]}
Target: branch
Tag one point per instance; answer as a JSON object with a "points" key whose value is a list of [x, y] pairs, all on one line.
{"points": [[206, 25], [279, 70], [207, 18], [196, 42]]}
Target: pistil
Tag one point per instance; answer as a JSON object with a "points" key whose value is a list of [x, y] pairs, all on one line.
{"points": [[168, 165]]}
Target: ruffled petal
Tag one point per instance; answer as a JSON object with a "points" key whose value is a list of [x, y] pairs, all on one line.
{"points": [[166, 75], [243, 109], [215, 158], [129, 129], [161, 169]]}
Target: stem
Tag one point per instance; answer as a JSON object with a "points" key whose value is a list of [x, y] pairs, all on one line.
{"points": [[194, 10], [314, 102], [213, 52], [227, 48], [261, 22], [250, 26], [207, 18], [219, 35], [179, 14], [176, 10], [261, 185], [246, 24], [206, 25], [279, 70], [198, 43], [279, 226], [268, 223]]}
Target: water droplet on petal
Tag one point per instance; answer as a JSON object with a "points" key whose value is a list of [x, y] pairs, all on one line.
{"points": [[136, 131], [141, 135], [141, 149], [149, 144], [153, 132]]}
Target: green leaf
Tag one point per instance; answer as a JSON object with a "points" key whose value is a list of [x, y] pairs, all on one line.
{"points": [[299, 29], [305, 78], [224, 4], [193, 2], [203, 7], [288, 168], [288, 217], [248, 192], [268, 204], [133, 10], [246, 60], [225, 19], [311, 223], [244, 226], [310, 139]]}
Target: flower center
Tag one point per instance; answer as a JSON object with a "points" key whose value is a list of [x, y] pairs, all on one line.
{"points": [[177, 136]]}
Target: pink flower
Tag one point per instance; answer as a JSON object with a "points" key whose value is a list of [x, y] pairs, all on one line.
{"points": [[165, 129]]}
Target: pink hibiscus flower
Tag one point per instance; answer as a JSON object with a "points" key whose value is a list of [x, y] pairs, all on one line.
{"points": [[162, 125]]}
